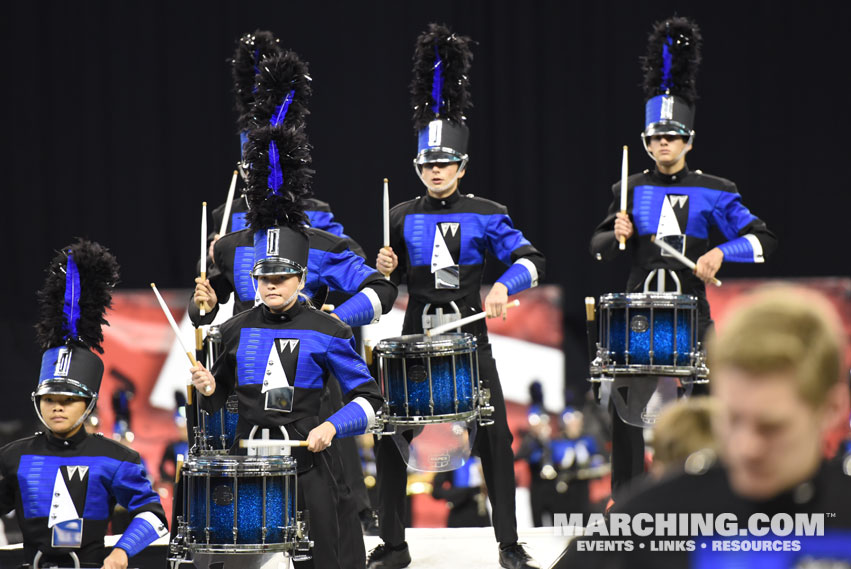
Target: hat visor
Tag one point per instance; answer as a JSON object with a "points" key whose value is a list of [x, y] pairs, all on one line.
{"points": [[667, 127], [437, 156], [63, 387], [270, 267]]}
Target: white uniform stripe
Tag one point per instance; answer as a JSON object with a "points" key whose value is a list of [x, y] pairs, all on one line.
{"points": [[757, 248], [367, 408], [376, 304]]}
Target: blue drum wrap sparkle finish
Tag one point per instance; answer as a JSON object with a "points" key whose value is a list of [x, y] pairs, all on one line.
{"points": [[444, 385], [671, 318], [243, 491], [664, 347], [213, 429], [449, 360]]}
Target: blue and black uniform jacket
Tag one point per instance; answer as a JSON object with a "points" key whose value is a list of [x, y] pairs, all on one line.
{"points": [[471, 227], [311, 347], [98, 474], [330, 264], [699, 203]]}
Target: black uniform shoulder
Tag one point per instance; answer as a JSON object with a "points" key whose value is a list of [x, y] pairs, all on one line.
{"points": [[406, 207], [632, 181], [682, 491], [323, 323], [241, 320], [237, 238], [104, 446], [699, 178], [18, 446], [484, 206], [313, 204], [324, 241]]}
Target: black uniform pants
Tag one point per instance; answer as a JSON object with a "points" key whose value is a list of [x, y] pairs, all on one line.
{"points": [[492, 445], [334, 524]]}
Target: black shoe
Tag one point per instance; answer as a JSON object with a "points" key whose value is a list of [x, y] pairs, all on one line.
{"points": [[515, 557], [369, 521], [383, 557]]}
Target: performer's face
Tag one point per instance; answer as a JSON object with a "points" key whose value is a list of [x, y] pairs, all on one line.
{"points": [[770, 437], [61, 413], [437, 174], [278, 291], [668, 149]]}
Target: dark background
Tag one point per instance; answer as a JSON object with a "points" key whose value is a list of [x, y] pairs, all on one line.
{"points": [[118, 123]]}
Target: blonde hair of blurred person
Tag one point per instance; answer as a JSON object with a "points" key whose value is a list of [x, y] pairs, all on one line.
{"points": [[683, 437]]}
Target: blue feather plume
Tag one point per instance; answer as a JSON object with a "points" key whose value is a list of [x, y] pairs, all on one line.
{"points": [[437, 83], [72, 297], [276, 175], [281, 110]]}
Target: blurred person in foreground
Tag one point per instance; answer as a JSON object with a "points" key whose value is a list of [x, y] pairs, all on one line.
{"points": [[771, 499]]}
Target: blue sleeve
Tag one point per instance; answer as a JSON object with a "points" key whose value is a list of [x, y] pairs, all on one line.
{"points": [[503, 239], [346, 364], [132, 489], [143, 530], [518, 277], [344, 271], [325, 221], [733, 219], [353, 419], [361, 309]]}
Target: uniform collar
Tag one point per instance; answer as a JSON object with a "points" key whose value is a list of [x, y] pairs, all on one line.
{"points": [[71, 442], [670, 178], [443, 203], [284, 316]]}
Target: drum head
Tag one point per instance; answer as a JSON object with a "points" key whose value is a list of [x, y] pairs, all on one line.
{"points": [[437, 447], [639, 399]]}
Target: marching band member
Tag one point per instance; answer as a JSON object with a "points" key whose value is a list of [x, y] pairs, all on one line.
{"points": [[282, 88], [438, 244], [251, 50], [300, 348], [674, 204], [64, 482]]}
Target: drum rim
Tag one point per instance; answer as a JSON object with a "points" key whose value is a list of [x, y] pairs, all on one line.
{"points": [[645, 369], [455, 342], [237, 548], [414, 420], [647, 299], [232, 465]]}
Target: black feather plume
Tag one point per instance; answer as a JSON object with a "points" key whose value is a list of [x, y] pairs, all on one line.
{"points": [[448, 97], [673, 56], [98, 274], [280, 176], [281, 78], [251, 50]]}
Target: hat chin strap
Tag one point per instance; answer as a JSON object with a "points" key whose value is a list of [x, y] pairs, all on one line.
{"points": [[445, 185], [298, 290], [680, 155], [83, 417]]}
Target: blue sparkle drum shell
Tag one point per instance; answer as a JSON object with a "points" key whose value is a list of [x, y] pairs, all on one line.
{"points": [[429, 379], [648, 333], [218, 428], [240, 504]]}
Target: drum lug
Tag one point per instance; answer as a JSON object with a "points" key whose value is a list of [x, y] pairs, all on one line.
{"points": [[485, 408]]}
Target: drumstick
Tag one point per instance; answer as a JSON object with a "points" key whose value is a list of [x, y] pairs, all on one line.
{"points": [[624, 176], [680, 257], [204, 308], [224, 228], [176, 330], [464, 321], [275, 443], [386, 211]]}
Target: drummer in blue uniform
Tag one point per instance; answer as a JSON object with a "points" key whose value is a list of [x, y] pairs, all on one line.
{"points": [[674, 204], [251, 50], [282, 89], [277, 357], [438, 243], [64, 482]]}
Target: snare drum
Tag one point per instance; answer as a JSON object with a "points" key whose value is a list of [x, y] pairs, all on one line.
{"points": [[648, 334], [240, 504], [429, 379]]}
